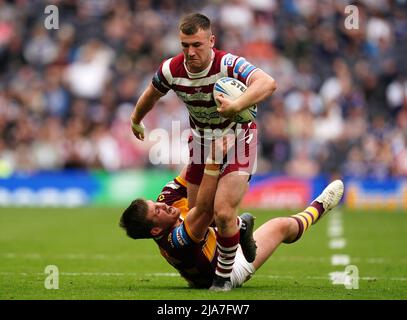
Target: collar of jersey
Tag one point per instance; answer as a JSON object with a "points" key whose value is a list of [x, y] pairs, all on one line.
{"points": [[180, 219], [203, 73]]}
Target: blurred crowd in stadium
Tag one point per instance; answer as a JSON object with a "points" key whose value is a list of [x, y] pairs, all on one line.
{"points": [[340, 107]]}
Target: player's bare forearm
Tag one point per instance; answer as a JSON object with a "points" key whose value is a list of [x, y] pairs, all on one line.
{"points": [[145, 103], [202, 215], [261, 87], [207, 190]]}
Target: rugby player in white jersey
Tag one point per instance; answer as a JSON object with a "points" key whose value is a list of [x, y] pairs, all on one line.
{"points": [[191, 75]]}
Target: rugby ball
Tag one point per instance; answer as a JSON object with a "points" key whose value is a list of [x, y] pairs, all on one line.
{"points": [[232, 88]]}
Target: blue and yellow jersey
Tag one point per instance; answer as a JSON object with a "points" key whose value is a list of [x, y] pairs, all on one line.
{"points": [[195, 260]]}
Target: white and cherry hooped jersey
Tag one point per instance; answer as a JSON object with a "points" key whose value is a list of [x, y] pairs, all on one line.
{"points": [[196, 89]]}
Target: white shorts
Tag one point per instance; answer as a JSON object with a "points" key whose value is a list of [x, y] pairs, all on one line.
{"points": [[242, 270]]}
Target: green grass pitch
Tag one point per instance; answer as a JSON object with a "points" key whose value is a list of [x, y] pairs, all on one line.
{"points": [[96, 260]]}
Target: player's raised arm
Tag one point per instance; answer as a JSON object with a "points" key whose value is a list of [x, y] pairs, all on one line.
{"points": [[144, 104]]}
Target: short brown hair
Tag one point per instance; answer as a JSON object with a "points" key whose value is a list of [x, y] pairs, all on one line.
{"points": [[134, 221], [191, 23]]}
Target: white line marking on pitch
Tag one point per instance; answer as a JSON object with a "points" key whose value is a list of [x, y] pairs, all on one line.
{"points": [[335, 274], [340, 260], [70, 256], [335, 228], [337, 243]]}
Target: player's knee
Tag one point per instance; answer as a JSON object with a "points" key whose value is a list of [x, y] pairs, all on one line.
{"points": [[225, 217]]}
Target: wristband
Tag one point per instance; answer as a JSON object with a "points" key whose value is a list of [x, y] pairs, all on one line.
{"points": [[139, 128], [213, 173]]}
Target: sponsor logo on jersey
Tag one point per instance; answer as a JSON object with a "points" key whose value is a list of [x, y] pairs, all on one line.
{"points": [[204, 116], [238, 65], [186, 97], [180, 237], [246, 69], [230, 59], [243, 68]]}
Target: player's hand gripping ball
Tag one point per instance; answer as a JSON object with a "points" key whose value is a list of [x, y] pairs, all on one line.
{"points": [[232, 88]]}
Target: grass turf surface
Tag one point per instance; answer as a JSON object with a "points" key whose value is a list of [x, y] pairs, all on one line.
{"points": [[97, 261]]}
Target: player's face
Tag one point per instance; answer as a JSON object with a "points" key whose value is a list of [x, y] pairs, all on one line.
{"points": [[162, 215], [197, 49]]}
